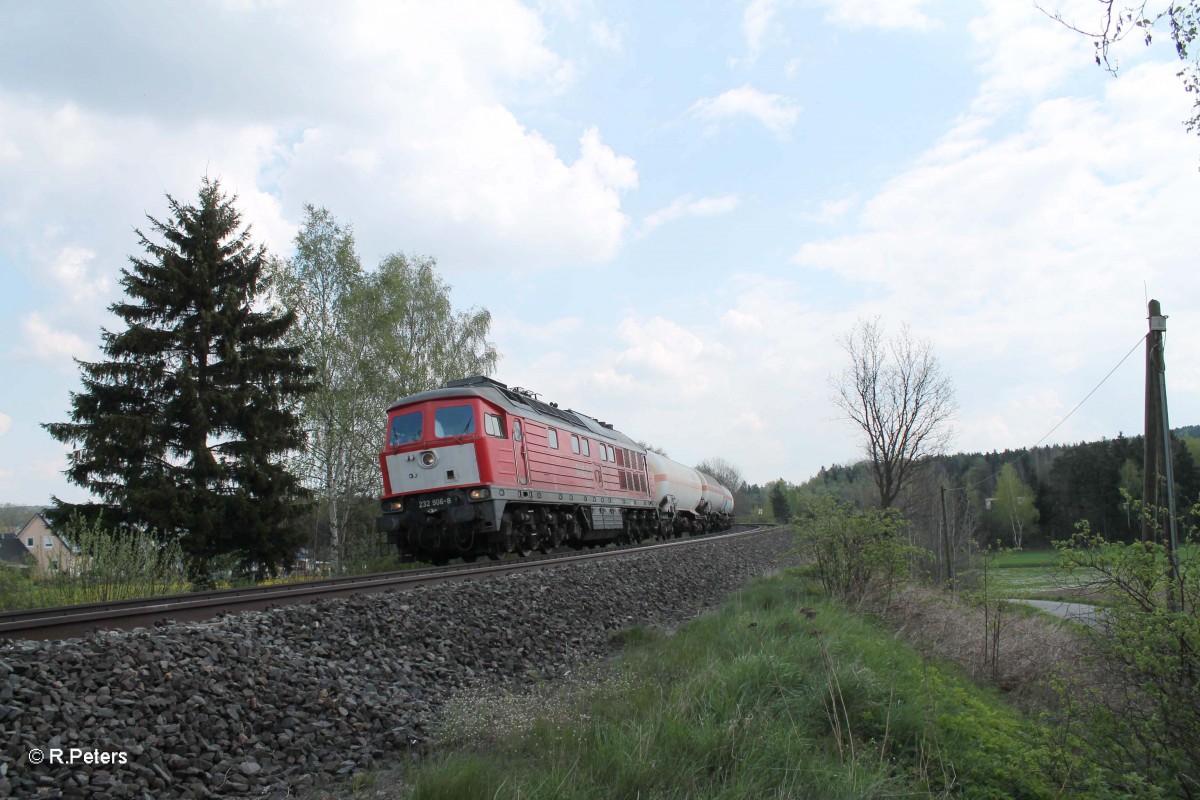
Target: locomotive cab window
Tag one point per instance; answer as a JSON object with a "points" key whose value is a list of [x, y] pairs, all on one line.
{"points": [[552, 435], [587, 450], [516, 430], [406, 428], [453, 421], [603, 453], [574, 443], [492, 425]]}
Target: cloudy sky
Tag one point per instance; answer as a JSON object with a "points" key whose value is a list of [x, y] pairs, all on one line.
{"points": [[672, 210]]}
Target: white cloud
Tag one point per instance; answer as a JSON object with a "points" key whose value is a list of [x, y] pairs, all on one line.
{"points": [[426, 151], [1026, 54], [741, 321], [757, 21], [777, 113], [42, 340], [607, 37], [5, 423], [749, 420], [831, 211], [1023, 242], [685, 206], [72, 271], [660, 346], [1073, 191], [891, 14], [512, 327], [48, 469], [724, 371]]}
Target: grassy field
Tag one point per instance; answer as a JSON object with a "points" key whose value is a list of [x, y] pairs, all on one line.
{"points": [[779, 694], [1028, 574], [1037, 574]]}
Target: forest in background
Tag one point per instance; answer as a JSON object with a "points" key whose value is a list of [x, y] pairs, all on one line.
{"points": [[1044, 491]]}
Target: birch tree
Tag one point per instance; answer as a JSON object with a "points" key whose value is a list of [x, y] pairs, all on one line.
{"points": [[420, 341], [317, 284], [371, 338], [1014, 502]]}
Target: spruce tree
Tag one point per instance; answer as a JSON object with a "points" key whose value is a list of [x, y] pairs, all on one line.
{"points": [[779, 504], [184, 428]]}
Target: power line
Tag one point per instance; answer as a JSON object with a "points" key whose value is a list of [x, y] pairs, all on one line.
{"points": [[1095, 388]]}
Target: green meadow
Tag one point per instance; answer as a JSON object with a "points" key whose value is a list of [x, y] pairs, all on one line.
{"points": [[779, 694]]}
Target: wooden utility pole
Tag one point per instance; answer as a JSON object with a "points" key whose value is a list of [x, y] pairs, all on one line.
{"points": [[946, 548], [1159, 471], [1150, 469]]}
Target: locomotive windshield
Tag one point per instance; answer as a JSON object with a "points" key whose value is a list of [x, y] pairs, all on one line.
{"points": [[405, 428], [453, 421]]}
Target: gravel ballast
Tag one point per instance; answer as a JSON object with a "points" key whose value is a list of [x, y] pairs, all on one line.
{"points": [[266, 704]]}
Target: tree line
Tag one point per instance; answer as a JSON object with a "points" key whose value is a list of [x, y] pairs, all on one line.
{"points": [[1027, 496], [240, 410]]}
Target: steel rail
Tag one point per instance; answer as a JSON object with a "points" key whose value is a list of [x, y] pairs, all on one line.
{"points": [[62, 622]]}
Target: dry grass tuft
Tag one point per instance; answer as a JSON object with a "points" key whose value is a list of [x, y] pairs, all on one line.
{"points": [[1017, 651]]}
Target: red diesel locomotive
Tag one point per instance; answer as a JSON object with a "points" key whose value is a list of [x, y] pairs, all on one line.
{"points": [[477, 468]]}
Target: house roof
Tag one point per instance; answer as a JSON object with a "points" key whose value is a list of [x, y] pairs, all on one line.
{"points": [[11, 549]]}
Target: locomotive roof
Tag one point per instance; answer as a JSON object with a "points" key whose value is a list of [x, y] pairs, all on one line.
{"points": [[518, 401]]}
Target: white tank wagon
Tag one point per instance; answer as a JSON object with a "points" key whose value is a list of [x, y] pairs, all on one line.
{"points": [[717, 499], [688, 501]]}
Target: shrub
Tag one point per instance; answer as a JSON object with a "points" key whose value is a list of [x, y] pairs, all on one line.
{"points": [[855, 552], [108, 564], [1141, 703]]}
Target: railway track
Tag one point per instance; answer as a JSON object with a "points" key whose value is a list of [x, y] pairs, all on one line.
{"points": [[68, 621]]}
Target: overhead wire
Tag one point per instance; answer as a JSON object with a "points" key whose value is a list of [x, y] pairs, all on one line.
{"points": [[1078, 405]]}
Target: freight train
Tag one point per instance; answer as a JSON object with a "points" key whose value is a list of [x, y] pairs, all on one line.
{"points": [[478, 468]]}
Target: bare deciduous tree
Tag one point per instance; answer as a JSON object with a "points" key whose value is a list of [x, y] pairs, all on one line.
{"points": [[896, 393], [726, 473]]}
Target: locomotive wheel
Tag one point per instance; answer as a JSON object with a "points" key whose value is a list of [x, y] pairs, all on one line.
{"points": [[525, 542], [439, 560], [464, 540], [469, 557]]}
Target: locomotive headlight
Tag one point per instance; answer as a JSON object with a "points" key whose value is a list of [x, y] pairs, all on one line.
{"points": [[428, 459], [480, 494], [393, 505]]}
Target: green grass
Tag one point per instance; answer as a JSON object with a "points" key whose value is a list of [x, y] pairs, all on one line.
{"points": [[1015, 559], [779, 694], [1026, 574]]}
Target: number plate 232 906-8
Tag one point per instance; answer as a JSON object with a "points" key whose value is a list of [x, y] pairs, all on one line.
{"points": [[432, 502]]}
